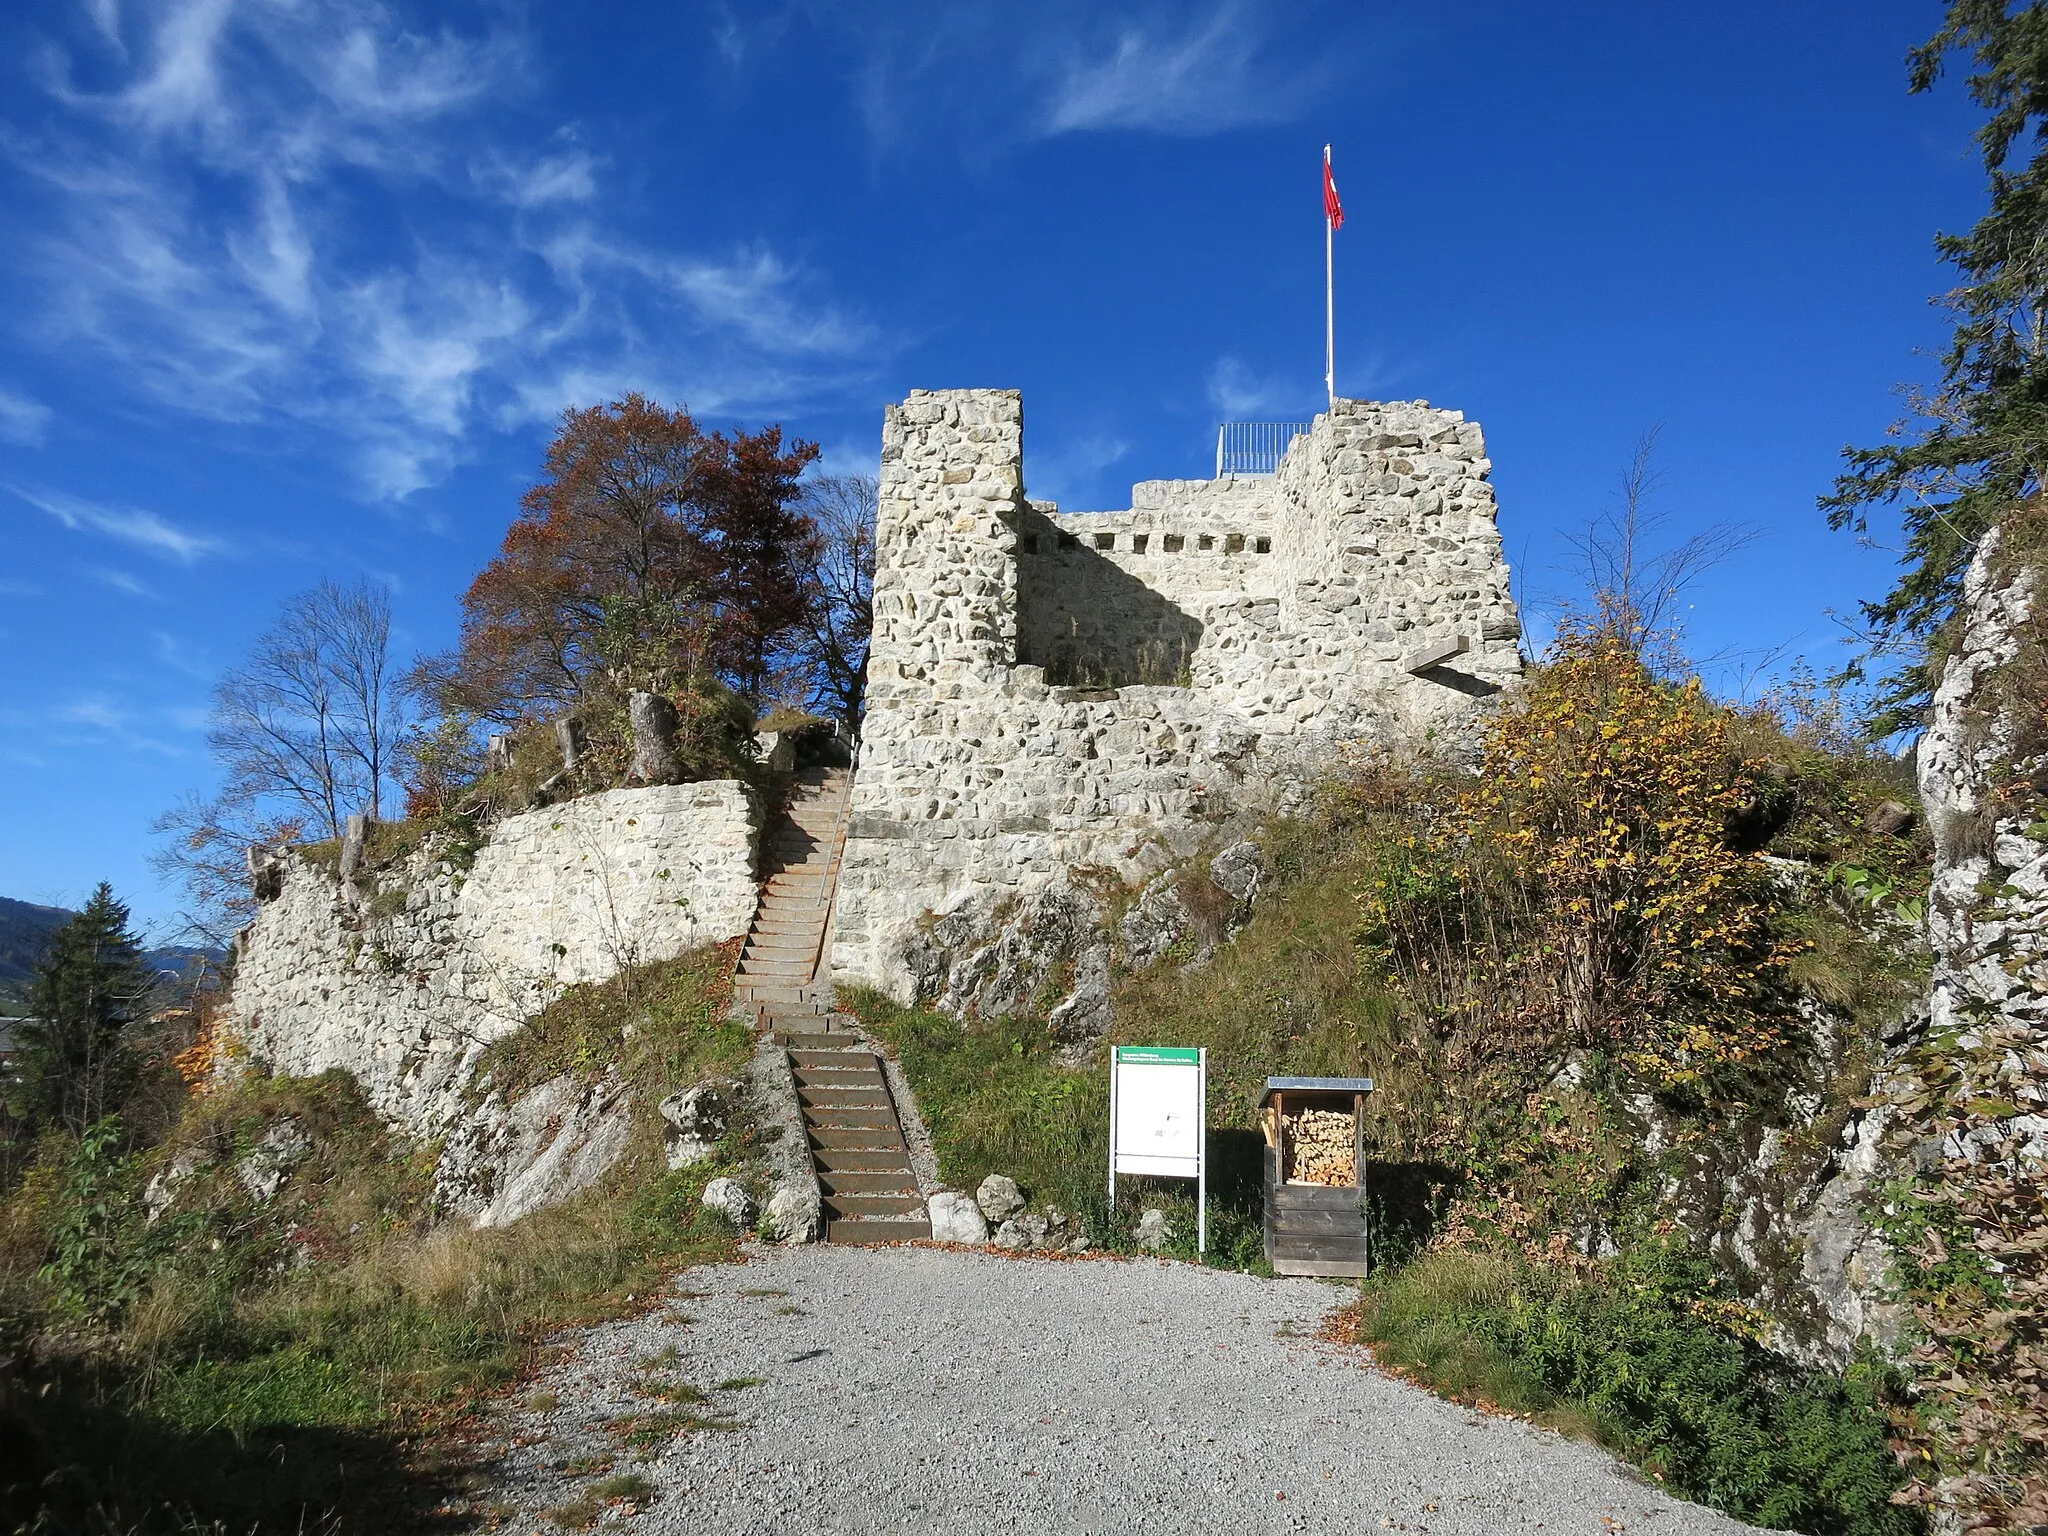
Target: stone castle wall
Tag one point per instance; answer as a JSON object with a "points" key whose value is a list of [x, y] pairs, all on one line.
{"points": [[403, 983], [1047, 693]]}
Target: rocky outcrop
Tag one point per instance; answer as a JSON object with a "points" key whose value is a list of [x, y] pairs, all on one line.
{"points": [[1980, 779], [1057, 949], [1987, 928]]}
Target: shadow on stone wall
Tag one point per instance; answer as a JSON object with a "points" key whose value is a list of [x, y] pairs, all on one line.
{"points": [[1090, 623]]}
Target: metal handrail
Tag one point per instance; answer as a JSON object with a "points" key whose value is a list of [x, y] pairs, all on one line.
{"points": [[1254, 447]]}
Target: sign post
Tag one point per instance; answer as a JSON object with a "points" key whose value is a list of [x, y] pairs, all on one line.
{"points": [[1158, 1119]]}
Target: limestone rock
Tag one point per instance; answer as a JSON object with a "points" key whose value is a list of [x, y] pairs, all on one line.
{"points": [[955, 1218], [697, 1118], [1155, 922], [556, 1141], [1237, 871], [1085, 1013], [999, 1198], [1026, 1231], [1152, 1231], [278, 1151], [726, 1197], [793, 1214], [162, 1189]]}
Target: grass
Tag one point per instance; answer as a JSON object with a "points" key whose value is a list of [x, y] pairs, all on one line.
{"points": [[287, 1366], [626, 1487]]}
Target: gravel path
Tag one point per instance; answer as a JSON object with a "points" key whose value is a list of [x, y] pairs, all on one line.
{"points": [[923, 1389]]}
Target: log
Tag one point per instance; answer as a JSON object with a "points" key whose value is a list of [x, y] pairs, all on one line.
{"points": [[354, 844], [654, 739], [569, 735]]}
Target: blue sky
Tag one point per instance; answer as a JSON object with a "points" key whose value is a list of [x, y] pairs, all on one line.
{"points": [[295, 288]]}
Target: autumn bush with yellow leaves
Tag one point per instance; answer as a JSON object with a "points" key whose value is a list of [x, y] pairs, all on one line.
{"points": [[1584, 891]]}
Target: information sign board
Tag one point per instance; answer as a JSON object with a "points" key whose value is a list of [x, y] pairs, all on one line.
{"points": [[1158, 1114]]}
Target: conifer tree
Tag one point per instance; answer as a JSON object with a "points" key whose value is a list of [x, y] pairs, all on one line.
{"points": [[76, 1063], [1978, 445]]}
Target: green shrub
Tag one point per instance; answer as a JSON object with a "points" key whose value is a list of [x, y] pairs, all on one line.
{"points": [[1663, 1368]]}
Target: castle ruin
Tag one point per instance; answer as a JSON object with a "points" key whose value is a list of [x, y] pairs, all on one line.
{"points": [[1055, 691]]}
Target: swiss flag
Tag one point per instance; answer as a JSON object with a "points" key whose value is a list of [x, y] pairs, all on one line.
{"points": [[1333, 208]]}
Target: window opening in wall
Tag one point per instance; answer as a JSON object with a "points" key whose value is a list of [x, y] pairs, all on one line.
{"points": [[1174, 543], [1070, 541], [1262, 546], [1139, 541], [1031, 545], [1105, 541], [1234, 544], [1205, 541]]}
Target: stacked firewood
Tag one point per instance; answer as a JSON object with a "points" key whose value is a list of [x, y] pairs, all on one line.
{"points": [[1325, 1147]]}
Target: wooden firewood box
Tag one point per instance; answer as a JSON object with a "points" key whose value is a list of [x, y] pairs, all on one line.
{"points": [[1315, 1174]]}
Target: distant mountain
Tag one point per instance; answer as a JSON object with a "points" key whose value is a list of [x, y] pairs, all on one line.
{"points": [[25, 930]]}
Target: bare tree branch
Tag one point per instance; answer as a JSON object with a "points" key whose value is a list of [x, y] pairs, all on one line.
{"points": [[304, 732], [1634, 594]]}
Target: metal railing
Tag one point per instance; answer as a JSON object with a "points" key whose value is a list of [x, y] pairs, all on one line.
{"points": [[1254, 447]]}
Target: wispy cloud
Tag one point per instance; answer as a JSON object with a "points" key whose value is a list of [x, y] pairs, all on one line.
{"points": [[179, 656], [23, 420], [131, 525], [100, 719], [1074, 468], [122, 581], [987, 77], [1196, 75], [1240, 394], [320, 217]]}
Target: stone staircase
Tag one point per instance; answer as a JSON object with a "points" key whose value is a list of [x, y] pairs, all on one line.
{"points": [[778, 969], [868, 1186], [869, 1189]]}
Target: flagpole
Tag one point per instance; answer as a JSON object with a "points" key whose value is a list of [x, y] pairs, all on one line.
{"points": [[1329, 291]]}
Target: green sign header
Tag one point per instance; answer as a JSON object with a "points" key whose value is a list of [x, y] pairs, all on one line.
{"points": [[1159, 1055]]}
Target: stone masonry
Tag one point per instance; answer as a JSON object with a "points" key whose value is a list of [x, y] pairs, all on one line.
{"points": [[403, 983], [1050, 692]]}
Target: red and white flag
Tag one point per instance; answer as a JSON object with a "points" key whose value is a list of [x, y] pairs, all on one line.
{"points": [[1333, 208]]}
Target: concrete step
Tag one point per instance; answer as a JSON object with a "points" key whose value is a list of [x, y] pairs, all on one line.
{"points": [[793, 969], [875, 1098], [852, 1117], [782, 947], [865, 1162], [780, 995], [866, 1232], [851, 1207], [822, 1047], [865, 1138], [855, 1069], [786, 930], [887, 1182]]}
